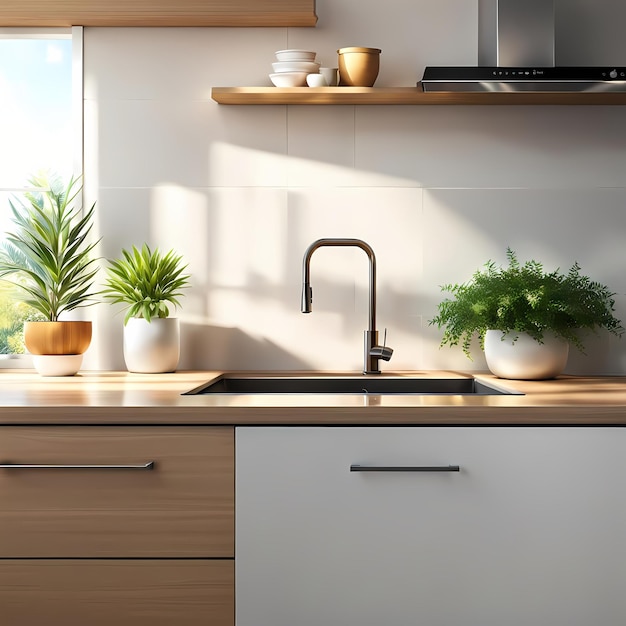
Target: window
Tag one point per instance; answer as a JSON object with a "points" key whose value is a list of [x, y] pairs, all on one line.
{"points": [[40, 129]]}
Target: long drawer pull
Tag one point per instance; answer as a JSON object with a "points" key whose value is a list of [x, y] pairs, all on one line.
{"points": [[405, 468], [142, 466]]}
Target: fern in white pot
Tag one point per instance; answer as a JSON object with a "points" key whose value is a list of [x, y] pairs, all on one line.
{"points": [[524, 317], [148, 283]]}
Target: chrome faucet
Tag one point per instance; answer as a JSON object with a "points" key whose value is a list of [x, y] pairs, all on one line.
{"points": [[373, 352]]}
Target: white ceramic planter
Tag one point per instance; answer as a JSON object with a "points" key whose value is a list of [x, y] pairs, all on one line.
{"points": [[57, 364], [526, 358], [152, 347]]}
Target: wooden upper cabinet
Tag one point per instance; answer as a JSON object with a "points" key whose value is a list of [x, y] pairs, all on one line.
{"points": [[157, 13]]}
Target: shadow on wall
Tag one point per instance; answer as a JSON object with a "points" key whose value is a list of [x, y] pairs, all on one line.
{"points": [[245, 249], [330, 338], [221, 348], [602, 354]]}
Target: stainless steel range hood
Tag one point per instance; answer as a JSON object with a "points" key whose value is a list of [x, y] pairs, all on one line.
{"points": [[516, 52], [516, 33]]}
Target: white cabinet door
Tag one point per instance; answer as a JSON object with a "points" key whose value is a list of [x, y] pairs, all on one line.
{"points": [[531, 531]]}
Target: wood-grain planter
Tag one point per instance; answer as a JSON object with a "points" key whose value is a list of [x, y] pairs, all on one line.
{"points": [[57, 347]]}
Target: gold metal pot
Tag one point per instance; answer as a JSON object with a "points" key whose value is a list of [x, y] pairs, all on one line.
{"points": [[358, 67]]}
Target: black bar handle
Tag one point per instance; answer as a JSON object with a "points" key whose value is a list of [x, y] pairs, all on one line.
{"points": [[404, 468]]}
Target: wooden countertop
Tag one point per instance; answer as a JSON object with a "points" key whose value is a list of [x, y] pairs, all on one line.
{"points": [[125, 398]]}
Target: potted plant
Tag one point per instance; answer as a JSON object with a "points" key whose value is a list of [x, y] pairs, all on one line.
{"points": [[525, 318], [48, 259], [148, 283]]}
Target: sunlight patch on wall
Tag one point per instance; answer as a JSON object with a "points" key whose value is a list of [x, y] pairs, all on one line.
{"points": [[179, 220], [248, 234], [102, 315], [230, 164], [256, 237]]}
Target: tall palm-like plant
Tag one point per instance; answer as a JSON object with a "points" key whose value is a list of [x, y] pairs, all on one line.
{"points": [[48, 256]]}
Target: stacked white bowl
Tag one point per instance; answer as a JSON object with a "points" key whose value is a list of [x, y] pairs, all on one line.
{"points": [[292, 67]]}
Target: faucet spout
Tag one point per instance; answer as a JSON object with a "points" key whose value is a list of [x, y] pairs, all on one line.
{"points": [[373, 352]]}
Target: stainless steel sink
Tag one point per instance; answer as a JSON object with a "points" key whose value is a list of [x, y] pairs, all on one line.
{"points": [[346, 385]]}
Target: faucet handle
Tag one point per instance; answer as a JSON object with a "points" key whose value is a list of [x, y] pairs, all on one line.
{"points": [[381, 352]]}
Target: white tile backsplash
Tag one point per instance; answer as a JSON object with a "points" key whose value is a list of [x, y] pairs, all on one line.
{"points": [[320, 146], [176, 63], [253, 293], [241, 191], [410, 33], [494, 146], [188, 143], [147, 136]]}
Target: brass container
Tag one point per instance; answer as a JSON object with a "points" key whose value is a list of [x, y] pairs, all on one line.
{"points": [[69, 337], [358, 67]]}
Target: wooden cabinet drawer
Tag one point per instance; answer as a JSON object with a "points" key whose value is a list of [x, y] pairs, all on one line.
{"points": [[124, 593], [182, 507]]}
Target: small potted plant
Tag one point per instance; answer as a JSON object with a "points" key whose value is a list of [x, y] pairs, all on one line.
{"points": [[148, 283], [525, 318], [48, 259]]}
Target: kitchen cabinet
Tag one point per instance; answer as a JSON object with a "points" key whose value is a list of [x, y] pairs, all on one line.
{"points": [[530, 530], [122, 524], [157, 13], [402, 95], [116, 592]]}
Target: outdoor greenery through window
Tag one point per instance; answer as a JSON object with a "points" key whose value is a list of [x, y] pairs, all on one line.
{"points": [[38, 129]]}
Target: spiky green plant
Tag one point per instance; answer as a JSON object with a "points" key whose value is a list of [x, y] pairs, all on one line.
{"points": [[13, 314], [524, 298], [48, 256], [146, 281]]}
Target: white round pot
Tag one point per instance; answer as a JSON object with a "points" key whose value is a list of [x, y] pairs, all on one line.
{"points": [[57, 364], [152, 347], [525, 358]]}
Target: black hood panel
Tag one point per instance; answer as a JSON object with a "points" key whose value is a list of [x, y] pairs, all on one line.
{"points": [[544, 79]]}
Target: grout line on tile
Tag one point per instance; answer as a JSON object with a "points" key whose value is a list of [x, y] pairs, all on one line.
{"points": [[354, 136], [440, 188]]}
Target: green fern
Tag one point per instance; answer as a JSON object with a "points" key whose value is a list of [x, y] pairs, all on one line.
{"points": [[524, 298], [48, 255], [146, 282]]}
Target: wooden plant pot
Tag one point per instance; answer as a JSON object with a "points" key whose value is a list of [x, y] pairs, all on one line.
{"points": [[69, 337], [57, 347]]}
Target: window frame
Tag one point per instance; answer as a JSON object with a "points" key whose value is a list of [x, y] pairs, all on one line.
{"points": [[75, 33]]}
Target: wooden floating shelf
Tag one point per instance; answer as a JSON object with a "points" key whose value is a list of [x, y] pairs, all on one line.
{"points": [[403, 95]]}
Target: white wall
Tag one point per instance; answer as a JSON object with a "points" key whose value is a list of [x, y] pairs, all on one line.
{"points": [[241, 191]]}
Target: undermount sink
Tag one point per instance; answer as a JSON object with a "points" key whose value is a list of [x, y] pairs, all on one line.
{"points": [[346, 385]]}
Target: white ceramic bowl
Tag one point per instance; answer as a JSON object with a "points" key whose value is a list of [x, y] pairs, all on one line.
{"points": [[310, 67], [289, 79], [295, 55], [316, 80]]}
